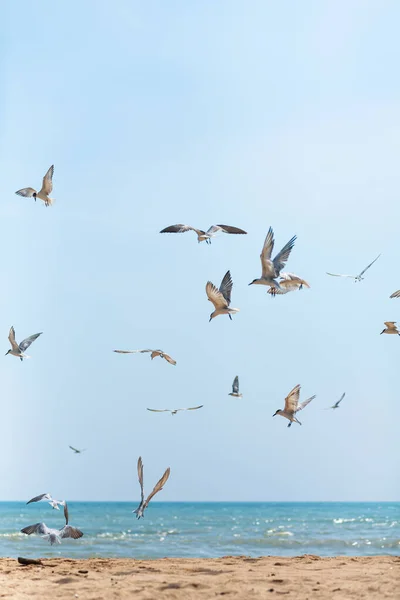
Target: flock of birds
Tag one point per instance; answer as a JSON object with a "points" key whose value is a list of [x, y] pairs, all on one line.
{"points": [[272, 276]]}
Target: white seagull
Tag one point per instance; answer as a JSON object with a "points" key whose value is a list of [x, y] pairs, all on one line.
{"points": [[289, 282], [391, 328], [154, 353], [173, 411], [203, 235], [235, 388], [47, 187], [292, 406], [54, 503], [271, 269], [336, 405], [54, 536], [355, 277], [19, 349], [221, 298], [158, 487]]}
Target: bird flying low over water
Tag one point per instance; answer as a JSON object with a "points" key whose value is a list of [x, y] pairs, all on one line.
{"points": [[292, 406], [54, 536], [46, 189], [76, 451], [235, 388], [289, 282], [395, 294], [54, 503], [270, 269], [391, 328], [157, 488], [173, 411], [221, 298], [336, 405], [203, 235], [355, 277], [154, 353], [19, 349]]}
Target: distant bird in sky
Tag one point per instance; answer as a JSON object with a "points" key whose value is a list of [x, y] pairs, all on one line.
{"points": [[355, 277], [292, 406], [173, 411], [270, 269], [221, 298], [157, 488], [390, 328], [54, 503], [154, 353], [289, 282], [76, 451], [203, 235], [47, 188], [336, 405], [19, 349], [395, 294], [54, 536], [235, 388]]}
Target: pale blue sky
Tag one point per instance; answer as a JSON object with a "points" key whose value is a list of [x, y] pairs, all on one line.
{"points": [[246, 113]]}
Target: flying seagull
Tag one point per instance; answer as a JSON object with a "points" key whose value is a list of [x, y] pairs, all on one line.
{"points": [[76, 451], [292, 405], [158, 487], [173, 411], [235, 388], [336, 405], [355, 277], [154, 353], [47, 187], [395, 294], [19, 349], [203, 235], [390, 328], [289, 282], [270, 269], [54, 536], [54, 503], [221, 298]]}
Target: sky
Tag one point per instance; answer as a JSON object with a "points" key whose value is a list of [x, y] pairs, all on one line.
{"points": [[252, 114]]}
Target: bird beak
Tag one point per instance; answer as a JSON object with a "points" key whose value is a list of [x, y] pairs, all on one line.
{"points": [[251, 283], [210, 319]]}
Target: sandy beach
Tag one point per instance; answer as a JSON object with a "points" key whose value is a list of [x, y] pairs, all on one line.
{"points": [[238, 577]]}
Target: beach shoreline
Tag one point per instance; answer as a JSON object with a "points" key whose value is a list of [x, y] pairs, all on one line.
{"points": [[239, 577]]}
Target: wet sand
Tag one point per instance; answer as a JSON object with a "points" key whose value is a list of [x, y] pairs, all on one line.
{"points": [[238, 577]]}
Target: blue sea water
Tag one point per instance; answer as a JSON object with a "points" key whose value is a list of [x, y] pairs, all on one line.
{"points": [[174, 529]]}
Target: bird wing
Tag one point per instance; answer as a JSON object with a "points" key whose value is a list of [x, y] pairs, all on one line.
{"points": [[192, 407], [226, 287], [159, 409], [168, 358], [74, 449], [370, 265], [11, 339], [284, 289], [158, 487], [70, 532], [339, 275], [292, 399], [131, 351], [395, 294], [390, 324], [235, 385], [265, 256], [215, 296], [39, 528], [304, 404], [226, 229], [291, 277], [26, 192], [39, 498], [281, 258], [47, 186], [66, 513], [180, 228], [341, 398], [140, 476], [28, 341]]}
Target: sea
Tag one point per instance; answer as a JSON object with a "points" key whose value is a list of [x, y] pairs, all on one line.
{"points": [[211, 529]]}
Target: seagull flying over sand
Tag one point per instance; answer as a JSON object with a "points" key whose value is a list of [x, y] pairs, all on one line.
{"points": [[19, 349], [54, 536], [391, 328], [355, 277], [52, 501], [154, 353], [157, 488], [203, 235], [235, 388], [76, 451], [270, 269], [221, 298], [336, 405], [173, 411], [292, 405], [47, 187], [289, 282]]}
